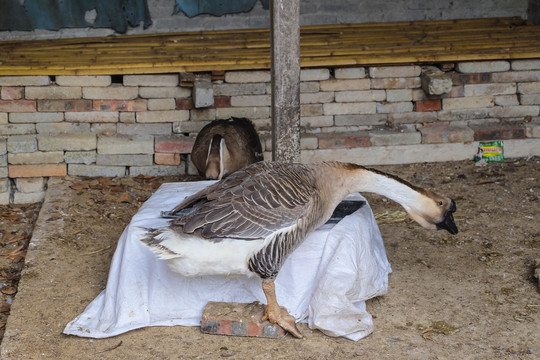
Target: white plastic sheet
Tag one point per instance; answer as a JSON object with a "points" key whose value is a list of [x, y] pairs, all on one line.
{"points": [[324, 282]]}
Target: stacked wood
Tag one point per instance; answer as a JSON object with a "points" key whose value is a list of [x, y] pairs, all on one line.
{"points": [[322, 45]]}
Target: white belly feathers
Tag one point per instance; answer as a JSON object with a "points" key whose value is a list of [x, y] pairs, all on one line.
{"points": [[191, 256]]}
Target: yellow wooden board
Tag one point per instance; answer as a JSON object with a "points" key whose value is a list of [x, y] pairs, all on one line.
{"points": [[323, 45]]}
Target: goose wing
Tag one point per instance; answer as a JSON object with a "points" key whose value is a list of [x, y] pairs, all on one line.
{"points": [[252, 203]]}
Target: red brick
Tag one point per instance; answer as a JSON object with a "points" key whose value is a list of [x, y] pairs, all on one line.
{"points": [[40, 170], [429, 105], [167, 158], [184, 104], [64, 105], [222, 101], [462, 79], [120, 105], [499, 132], [17, 106], [347, 141], [238, 319], [446, 134], [174, 144], [12, 93]]}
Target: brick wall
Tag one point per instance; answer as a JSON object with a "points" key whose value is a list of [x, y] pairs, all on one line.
{"points": [[146, 124]]}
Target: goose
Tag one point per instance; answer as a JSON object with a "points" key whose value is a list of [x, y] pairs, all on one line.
{"points": [[248, 223], [224, 146]]}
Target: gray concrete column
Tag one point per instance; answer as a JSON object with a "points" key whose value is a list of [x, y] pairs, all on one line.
{"points": [[285, 29]]}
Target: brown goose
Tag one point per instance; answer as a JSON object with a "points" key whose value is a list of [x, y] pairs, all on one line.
{"points": [[224, 146], [248, 223]]}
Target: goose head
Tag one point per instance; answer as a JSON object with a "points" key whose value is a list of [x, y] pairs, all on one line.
{"points": [[433, 211], [217, 162], [429, 209]]}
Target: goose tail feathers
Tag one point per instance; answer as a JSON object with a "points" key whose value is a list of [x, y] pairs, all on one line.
{"points": [[156, 240]]}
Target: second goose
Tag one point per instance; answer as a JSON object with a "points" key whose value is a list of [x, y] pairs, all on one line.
{"points": [[224, 146]]}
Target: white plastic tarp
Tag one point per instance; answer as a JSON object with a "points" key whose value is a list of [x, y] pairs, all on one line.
{"points": [[324, 282]]}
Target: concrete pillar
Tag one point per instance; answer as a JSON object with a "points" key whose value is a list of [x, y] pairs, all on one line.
{"points": [[285, 29]]}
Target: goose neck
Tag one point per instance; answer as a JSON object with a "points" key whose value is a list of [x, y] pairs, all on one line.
{"points": [[398, 190]]}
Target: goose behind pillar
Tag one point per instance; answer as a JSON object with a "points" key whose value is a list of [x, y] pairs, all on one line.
{"points": [[248, 223], [224, 146]]}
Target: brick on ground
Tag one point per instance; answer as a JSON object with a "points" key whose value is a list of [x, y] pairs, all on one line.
{"points": [[238, 319]]}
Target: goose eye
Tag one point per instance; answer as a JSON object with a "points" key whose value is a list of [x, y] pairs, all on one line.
{"points": [[440, 203]]}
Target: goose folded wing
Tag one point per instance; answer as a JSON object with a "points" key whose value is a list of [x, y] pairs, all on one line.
{"points": [[211, 192], [255, 209]]}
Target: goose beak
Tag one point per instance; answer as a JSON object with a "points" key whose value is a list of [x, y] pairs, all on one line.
{"points": [[448, 222]]}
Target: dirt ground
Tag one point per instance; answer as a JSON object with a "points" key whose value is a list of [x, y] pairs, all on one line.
{"points": [[468, 296]]}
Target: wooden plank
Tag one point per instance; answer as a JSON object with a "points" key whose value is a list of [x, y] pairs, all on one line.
{"points": [[323, 45]]}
